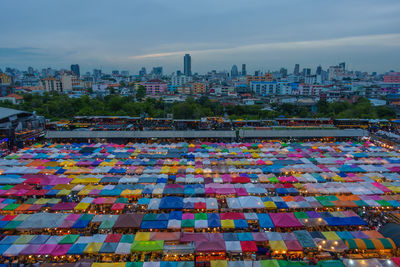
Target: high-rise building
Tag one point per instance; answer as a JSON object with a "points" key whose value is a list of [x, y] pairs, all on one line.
{"points": [[178, 73], [234, 71], [319, 70], [283, 72], [157, 71], [97, 73], [142, 72], [343, 65], [306, 71], [187, 65], [75, 70], [115, 72], [244, 72], [30, 70], [296, 70]]}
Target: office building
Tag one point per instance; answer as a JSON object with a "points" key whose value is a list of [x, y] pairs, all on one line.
{"points": [[268, 77], [283, 72], [199, 88], [234, 71], [97, 73], [296, 70], [51, 84], [319, 70], [75, 70], [343, 65], [157, 71], [306, 72], [187, 65], [180, 80], [142, 72], [244, 72]]}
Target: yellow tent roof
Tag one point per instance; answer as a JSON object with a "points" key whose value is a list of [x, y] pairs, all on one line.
{"points": [[108, 264], [93, 247], [142, 236], [82, 206], [277, 245], [270, 205], [219, 263], [63, 192], [331, 235], [227, 224]]}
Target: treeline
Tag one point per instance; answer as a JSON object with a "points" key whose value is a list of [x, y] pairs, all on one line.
{"points": [[59, 106]]}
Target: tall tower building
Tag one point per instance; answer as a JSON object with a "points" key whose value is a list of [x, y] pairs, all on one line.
{"points": [[343, 66], [296, 70], [187, 65], [75, 70], [244, 72], [234, 71], [319, 70]]}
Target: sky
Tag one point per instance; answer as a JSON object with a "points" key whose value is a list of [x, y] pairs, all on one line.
{"points": [[263, 34]]}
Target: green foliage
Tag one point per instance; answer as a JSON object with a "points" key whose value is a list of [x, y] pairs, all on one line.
{"points": [[140, 93], [57, 106]]}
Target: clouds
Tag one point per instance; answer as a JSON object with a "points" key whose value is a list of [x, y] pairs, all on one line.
{"points": [[263, 34]]}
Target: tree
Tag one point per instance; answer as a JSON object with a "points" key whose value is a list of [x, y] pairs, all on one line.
{"points": [[140, 93], [385, 112], [112, 90]]}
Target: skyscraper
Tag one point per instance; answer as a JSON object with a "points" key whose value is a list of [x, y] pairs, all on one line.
{"points": [[296, 69], [234, 71], [157, 71], [306, 71], [75, 70], [283, 72], [142, 72], [319, 70], [343, 66], [244, 72], [187, 65]]}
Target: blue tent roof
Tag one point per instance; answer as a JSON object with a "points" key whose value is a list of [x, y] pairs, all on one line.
{"points": [[171, 203], [241, 224], [265, 221], [77, 249], [154, 225]]}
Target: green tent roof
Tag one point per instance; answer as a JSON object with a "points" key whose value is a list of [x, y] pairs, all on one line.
{"points": [[147, 246], [69, 239]]}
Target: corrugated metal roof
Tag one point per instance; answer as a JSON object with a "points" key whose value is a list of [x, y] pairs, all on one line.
{"points": [[8, 112]]}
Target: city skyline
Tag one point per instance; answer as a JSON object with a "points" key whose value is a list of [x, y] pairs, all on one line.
{"points": [[264, 36]]}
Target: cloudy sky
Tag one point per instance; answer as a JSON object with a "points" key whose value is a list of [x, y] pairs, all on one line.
{"points": [[264, 34]]}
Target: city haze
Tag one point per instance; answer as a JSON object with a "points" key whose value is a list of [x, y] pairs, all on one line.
{"points": [[266, 35]]}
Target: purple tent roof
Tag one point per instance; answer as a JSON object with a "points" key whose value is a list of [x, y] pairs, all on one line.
{"points": [[64, 206], [46, 249], [30, 249]]}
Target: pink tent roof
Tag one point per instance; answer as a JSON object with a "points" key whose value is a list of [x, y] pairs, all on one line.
{"points": [[259, 236], [284, 220], [232, 216], [191, 237], [210, 246], [118, 206], [61, 249], [188, 216], [73, 217], [293, 245]]}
